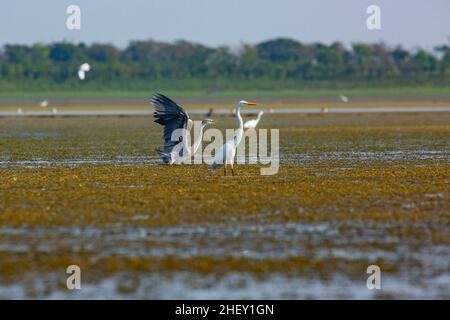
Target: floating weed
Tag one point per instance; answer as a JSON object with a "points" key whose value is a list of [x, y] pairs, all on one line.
{"points": [[351, 191]]}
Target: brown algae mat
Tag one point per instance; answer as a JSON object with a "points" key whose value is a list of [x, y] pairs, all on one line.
{"points": [[352, 190]]}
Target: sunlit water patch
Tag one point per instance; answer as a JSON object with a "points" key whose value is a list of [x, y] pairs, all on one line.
{"points": [[255, 241], [73, 163], [367, 155], [285, 158], [185, 285]]}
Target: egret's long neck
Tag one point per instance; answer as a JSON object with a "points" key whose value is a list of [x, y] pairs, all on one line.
{"points": [[198, 140], [240, 130]]}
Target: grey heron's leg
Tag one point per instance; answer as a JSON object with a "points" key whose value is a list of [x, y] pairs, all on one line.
{"points": [[232, 170]]}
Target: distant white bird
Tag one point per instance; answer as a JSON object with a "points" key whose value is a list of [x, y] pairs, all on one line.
{"points": [[225, 154], [19, 110], [81, 74], [251, 124], [54, 111], [44, 103], [343, 98], [85, 67]]}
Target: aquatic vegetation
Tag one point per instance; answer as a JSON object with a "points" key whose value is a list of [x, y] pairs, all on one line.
{"points": [[352, 190]]}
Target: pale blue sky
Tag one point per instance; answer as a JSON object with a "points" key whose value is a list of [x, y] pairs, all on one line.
{"points": [[408, 22]]}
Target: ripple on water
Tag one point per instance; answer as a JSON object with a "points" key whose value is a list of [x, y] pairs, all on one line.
{"points": [[185, 285], [287, 158]]}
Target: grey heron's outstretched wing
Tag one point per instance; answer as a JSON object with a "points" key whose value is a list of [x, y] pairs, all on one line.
{"points": [[171, 116]]}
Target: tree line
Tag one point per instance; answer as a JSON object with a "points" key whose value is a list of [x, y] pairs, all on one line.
{"points": [[276, 60]]}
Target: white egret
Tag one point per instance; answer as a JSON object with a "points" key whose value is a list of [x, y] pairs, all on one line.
{"points": [[343, 98], [251, 124], [81, 74], [85, 67], [173, 117], [225, 154]]}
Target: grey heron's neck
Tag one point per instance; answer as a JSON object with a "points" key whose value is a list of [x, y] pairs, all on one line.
{"points": [[198, 139]]}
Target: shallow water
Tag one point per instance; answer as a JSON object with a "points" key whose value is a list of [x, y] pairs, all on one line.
{"points": [[131, 112], [285, 158], [233, 286], [423, 269], [73, 163], [418, 263], [357, 190], [236, 239]]}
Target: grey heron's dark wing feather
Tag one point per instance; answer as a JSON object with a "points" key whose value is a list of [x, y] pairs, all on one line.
{"points": [[166, 109], [171, 116]]}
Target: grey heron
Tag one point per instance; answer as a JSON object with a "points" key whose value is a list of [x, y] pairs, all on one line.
{"points": [[177, 127]]}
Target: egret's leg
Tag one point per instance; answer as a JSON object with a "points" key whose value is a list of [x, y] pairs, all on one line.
{"points": [[232, 170], [225, 169]]}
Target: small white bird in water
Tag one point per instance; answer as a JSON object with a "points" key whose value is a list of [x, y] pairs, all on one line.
{"points": [[54, 111], [85, 67], [225, 154], [251, 124], [343, 98], [19, 110], [44, 103]]}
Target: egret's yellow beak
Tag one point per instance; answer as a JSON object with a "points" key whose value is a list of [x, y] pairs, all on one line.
{"points": [[251, 103]]}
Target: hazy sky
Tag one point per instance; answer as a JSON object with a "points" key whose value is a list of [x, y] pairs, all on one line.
{"points": [[216, 22]]}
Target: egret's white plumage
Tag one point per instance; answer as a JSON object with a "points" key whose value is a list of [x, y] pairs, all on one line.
{"points": [[343, 98], [251, 124], [85, 67], [225, 154]]}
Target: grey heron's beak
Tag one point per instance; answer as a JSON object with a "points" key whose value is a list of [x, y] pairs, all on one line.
{"points": [[206, 122]]}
